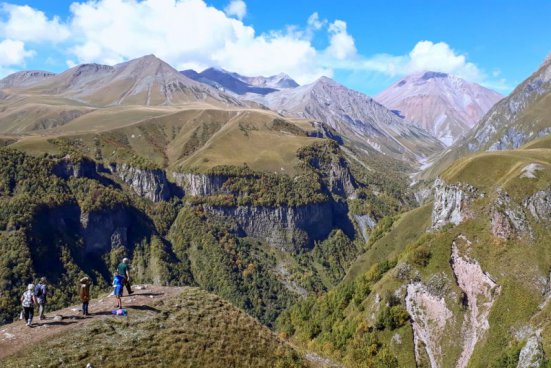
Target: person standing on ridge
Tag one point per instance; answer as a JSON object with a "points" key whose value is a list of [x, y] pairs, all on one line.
{"points": [[124, 271], [41, 294], [28, 300], [84, 293], [118, 281]]}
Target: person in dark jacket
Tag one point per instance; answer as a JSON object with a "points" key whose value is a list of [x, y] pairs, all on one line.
{"points": [[124, 270], [84, 293], [41, 294]]}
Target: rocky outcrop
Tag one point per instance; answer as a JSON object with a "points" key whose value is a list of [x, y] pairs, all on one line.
{"points": [[284, 227], [531, 355], [201, 184], [148, 183], [82, 168], [429, 314], [365, 223], [340, 181], [451, 203], [508, 219], [539, 205], [479, 295], [325, 131]]}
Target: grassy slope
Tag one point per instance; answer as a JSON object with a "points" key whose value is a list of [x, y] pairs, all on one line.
{"points": [[193, 329], [190, 138], [518, 265]]}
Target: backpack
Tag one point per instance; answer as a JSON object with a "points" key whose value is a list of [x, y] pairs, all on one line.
{"points": [[28, 299], [38, 291]]}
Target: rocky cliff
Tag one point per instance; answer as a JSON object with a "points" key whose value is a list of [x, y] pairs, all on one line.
{"points": [[288, 228], [451, 203], [148, 183], [201, 184]]}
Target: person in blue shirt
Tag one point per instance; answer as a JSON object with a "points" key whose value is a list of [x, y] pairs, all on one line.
{"points": [[118, 281]]}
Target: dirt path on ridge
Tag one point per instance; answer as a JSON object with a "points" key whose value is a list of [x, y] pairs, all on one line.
{"points": [[17, 336]]}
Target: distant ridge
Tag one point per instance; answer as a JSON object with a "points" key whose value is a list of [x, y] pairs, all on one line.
{"points": [[240, 84], [143, 81]]}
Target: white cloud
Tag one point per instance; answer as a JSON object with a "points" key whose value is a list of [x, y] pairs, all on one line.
{"points": [[425, 55], [13, 53], [192, 34], [440, 57], [236, 8], [315, 23], [30, 25], [341, 44], [188, 33]]}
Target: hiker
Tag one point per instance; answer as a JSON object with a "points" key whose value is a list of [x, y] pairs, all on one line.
{"points": [[28, 300], [41, 293], [84, 292], [118, 281], [124, 271]]}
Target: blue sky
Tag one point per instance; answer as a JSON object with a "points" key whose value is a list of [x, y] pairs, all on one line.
{"points": [[365, 45]]}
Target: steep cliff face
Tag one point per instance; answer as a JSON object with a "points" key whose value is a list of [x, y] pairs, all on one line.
{"points": [[287, 228], [366, 223], [429, 315], [451, 203], [148, 183], [479, 294], [201, 184]]}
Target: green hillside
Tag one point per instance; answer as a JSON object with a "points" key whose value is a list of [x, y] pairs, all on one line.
{"points": [[366, 321]]}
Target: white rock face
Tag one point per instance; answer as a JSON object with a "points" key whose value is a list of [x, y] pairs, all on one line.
{"points": [[201, 184], [444, 105], [531, 355], [480, 293], [365, 223], [150, 184], [530, 170], [539, 205], [451, 203], [429, 314]]}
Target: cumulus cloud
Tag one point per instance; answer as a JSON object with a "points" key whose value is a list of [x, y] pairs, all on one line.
{"points": [[13, 53], [341, 44], [26, 24], [193, 34], [236, 8], [188, 34], [425, 55]]}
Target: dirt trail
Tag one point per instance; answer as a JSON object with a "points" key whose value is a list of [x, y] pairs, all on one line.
{"points": [[17, 336]]}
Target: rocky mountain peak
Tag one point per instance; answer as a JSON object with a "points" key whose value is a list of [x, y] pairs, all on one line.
{"points": [[445, 105]]}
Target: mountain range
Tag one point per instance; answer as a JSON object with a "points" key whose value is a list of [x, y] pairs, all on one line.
{"points": [[41, 101], [444, 105], [293, 203]]}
